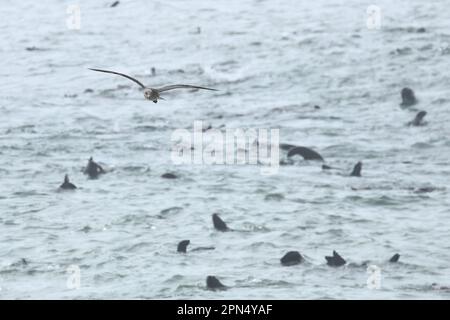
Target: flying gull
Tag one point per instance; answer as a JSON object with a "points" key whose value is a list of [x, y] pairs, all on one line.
{"points": [[153, 94]]}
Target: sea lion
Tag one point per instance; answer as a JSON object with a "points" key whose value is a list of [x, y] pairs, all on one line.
{"points": [[356, 170], [336, 260], [182, 246], [213, 283], [394, 258], [291, 258], [306, 153], [436, 286], [418, 120], [425, 190], [219, 224], [67, 185], [93, 169], [408, 97]]}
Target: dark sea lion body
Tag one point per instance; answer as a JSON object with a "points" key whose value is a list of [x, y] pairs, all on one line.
{"points": [[306, 153], [67, 185], [219, 224], [408, 97], [182, 246], [394, 258], [356, 170], [336, 260], [291, 258], [213, 283], [418, 120], [425, 190], [93, 169]]}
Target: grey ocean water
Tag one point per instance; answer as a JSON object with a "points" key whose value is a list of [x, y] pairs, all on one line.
{"points": [[273, 61]]}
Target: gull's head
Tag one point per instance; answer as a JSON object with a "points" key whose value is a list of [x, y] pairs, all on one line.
{"points": [[147, 93]]}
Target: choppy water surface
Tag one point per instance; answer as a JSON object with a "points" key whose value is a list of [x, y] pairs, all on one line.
{"points": [[273, 61]]}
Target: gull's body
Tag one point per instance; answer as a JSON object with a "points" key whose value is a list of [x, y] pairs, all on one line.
{"points": [[153, 94]]}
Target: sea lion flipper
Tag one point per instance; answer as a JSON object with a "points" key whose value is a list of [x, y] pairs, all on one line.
{"points": [[394, 258], [219, 224], [357, 170], [214, 283]]}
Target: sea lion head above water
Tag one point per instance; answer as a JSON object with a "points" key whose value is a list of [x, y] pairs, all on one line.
{"points": [[93, 169], [408, 97], [291, 258], [335, 260], [67, 185], [418, 120]]}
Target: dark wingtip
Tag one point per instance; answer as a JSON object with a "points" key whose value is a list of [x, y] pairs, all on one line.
{"points": [[93, 69], [204, 88]]}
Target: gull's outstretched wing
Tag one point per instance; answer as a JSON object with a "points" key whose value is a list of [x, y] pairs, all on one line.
{"points": [[120, 74], [182, 86]]}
